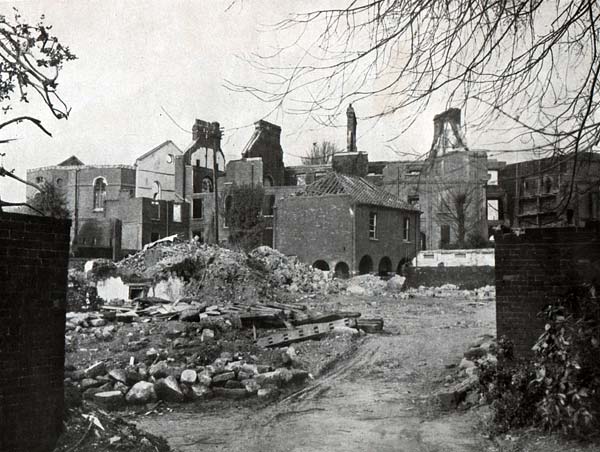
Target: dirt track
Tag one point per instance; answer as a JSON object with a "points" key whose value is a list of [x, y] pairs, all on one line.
{"points": [[378, 400]]}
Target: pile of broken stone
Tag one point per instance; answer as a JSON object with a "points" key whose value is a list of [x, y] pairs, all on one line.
{"points": [[465, 393], [229, 376]]}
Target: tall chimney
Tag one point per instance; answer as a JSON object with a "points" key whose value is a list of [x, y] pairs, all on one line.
{"points": [[351, 129]]}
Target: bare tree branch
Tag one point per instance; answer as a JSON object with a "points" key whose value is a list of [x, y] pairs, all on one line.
{"points": [[532, 63]]}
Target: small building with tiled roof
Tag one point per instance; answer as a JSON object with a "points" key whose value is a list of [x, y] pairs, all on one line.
{"points": [[343, 223]]}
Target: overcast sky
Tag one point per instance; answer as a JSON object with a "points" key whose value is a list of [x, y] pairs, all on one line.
{"points": [[136, 58]]}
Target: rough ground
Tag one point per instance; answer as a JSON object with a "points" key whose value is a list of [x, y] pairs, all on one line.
{"points": [[378, 399]]}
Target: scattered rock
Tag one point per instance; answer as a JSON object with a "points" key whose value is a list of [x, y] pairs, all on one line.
{"points": [[266, 392], [97, 322], [207, 335], [87, 383], [450, 398], [189, 377], [475, 353], [222, 378], [168, 390], [132, 376], [141, 392], [466, 363], [118, 375], [95, 370], [396, 283], [201, 391], [356, 290], [109, 399], [251, 385], [159, 370], [204, 378]]}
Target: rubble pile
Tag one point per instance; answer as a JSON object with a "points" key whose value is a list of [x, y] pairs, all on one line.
{"points": [[464, 393], [158, 378], [373, 285], [451, 291], [211, 269], [87, 428], [284, 271], [189, 351]]}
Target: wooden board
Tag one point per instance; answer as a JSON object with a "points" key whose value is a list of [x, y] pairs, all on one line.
{"points": [[302, 333]]}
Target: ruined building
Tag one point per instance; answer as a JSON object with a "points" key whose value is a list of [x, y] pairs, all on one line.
{"points": [[551, 192], [453, 186], [169, 191], [343, 222]]}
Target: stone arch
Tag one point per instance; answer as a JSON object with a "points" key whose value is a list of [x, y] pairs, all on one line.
{"points": [[385, 266], [268, 181], [401, 268], [321, 265], [365, 265], [342, 270]]}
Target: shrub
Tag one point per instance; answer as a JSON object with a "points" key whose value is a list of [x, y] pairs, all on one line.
{"points": [[559, 389], [506, 385]]}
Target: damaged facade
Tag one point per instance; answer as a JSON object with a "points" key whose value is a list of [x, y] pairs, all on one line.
{"points": [[557, 191], [169, 191]]}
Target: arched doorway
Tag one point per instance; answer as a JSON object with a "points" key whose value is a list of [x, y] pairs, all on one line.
{"points": [[401, 269], [321, 265], [342, 271], [385, 266], [365, 265]]}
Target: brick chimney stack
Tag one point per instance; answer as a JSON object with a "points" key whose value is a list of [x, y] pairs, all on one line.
{"points": [[351, 129]]}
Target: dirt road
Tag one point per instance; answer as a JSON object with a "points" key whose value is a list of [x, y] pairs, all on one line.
{"points": [[378, 400]]}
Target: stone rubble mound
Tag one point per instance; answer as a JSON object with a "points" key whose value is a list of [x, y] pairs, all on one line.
{"points": [[209, 266], [157, 379]]}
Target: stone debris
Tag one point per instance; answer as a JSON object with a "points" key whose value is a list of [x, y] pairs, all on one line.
{"points": [[464, 393], [229, 376], [168, 389], [452, 291]]}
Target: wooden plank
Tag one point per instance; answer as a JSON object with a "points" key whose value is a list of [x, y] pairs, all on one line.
{"points": [[328, 317], [370, 325], [303, 332]]}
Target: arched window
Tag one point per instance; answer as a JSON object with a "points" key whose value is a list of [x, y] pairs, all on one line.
{"points": [[99, 193], [156, 191]]}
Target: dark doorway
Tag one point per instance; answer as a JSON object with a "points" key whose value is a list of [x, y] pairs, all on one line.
{"points": [[365, 265], [385, 266], [321, 265], [342, 270]]}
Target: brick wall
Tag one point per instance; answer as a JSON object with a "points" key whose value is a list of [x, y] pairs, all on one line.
{"points": [[536, 268], [33, 277], [390, 241], [333, 229], [315, 229]]}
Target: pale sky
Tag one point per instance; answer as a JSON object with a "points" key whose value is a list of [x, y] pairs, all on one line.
{"points": [[137, 56]]}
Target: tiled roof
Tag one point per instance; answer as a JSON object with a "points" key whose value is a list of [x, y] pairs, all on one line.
{"points": [[361, 191]]}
